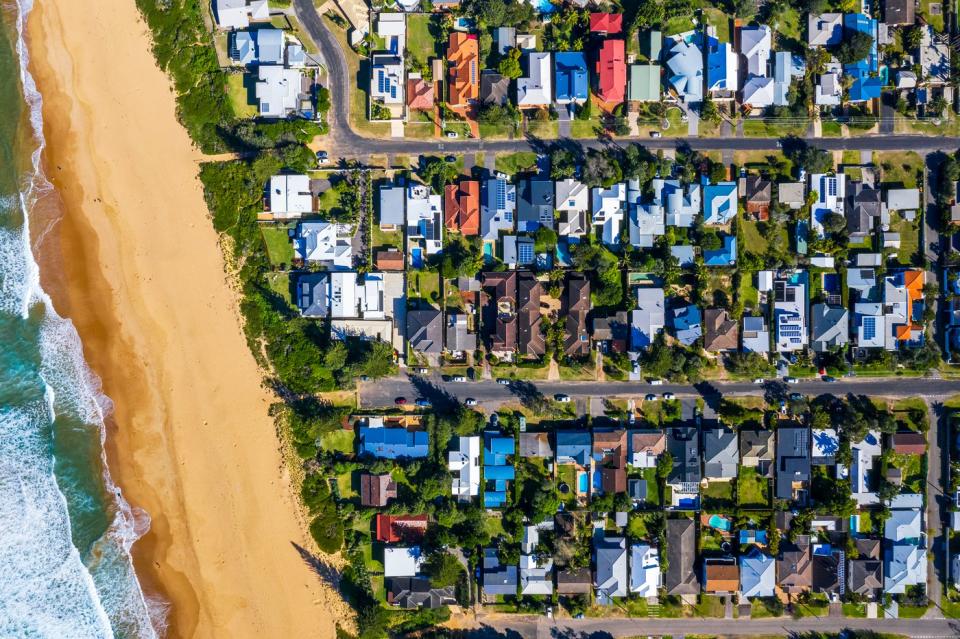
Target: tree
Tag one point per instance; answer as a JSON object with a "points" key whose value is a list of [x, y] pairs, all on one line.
{"points": [[562, 164], [510, 65], [439, 173], [601, 168], [664, 465], [545, 239], [444, 569], [912, 37], [856, 46], [709, 111], [502, 115], [619, 126], [749, 364], [835, 223], [807, 157]]}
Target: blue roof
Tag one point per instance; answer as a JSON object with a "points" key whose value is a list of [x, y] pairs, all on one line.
{"points": [[574, 445], [494, 499], [724, 256], [497, 448], [393, 443], [866, 89], [494, 473], [720, 202], [570, 75], [865, 86], [717, 53]]}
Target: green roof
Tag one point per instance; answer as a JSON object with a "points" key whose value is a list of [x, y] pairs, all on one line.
{"points": [[644, 83], [652, 41]]}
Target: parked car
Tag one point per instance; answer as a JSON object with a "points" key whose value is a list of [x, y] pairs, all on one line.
{"points": [[829, 379], [655, 134], [656, 382], [450, 158], [425, 403], [458, 378], [791, 380], [421, 370], [503, 381], [758, 380], [795, 397], [452, 134], [651, 397], [322, 157], [469, 402], [562, 398], [400, 401], [668, 396]]}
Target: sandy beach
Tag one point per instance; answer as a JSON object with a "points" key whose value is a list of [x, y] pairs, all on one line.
{"points": [[134, 263]]}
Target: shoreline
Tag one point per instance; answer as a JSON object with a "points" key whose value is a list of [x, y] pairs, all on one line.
{"points": [[127, 252]]}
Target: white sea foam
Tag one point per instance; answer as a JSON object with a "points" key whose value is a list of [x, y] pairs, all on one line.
{"points": [[46, 588]]}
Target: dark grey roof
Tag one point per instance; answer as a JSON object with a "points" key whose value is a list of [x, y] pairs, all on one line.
{"points": [[313, 295], [494, 88], [863, 204], [535, 203], [637, 489], [681, 578], [683, 444], [756, 442], [425, 330], [416, 592], [830, 327], [793, 458], [720, 453], [866, 576]]}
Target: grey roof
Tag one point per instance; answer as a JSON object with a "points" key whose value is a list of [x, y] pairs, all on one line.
{"points": [[865, 576], [755, 335], [793, 458], [535, 445], [416, 592], [425, 330], [313, 295], [684, 253], [574, 445], [864, 282], [681, 578], [683, 444], [535, 205], [721, 455], [498, 579], [863, 207], [611, 561], [512, 253], [269, 46], [830, 326], [637, 489], [756, 442], [494, 88], [457, 335], [392, 200]]}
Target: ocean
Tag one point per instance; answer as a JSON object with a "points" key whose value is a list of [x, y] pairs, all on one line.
{"points": [[65, 530]]}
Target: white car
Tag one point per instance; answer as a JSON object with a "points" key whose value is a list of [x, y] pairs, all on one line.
{"points": [[453, 134], [668, 396], [458, 378], [656, 382], [470, 402], [791, 380], [758, 380], [563, 399]]}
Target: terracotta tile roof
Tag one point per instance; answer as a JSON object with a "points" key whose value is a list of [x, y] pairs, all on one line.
{"points": [[419, 94], [388, 260], [461, 207], [722, 577], [463, 54], [909, 443], [407, 528]]}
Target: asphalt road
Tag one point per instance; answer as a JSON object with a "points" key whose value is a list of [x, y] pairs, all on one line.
{"points": [[542, 628], [488, 393], [345, 143]]}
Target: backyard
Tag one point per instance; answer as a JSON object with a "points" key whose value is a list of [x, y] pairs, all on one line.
{"points": [[276, 239], [753, 490], [718, 495], [423, 285], [513, 163]]}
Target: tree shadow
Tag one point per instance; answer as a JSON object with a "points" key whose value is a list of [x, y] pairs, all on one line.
{"points": [[327, 573], [440, 399]]}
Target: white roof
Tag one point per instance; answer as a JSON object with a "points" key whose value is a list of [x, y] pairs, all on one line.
{"points": [[277, 90], [685, 67], [755, 47], [464, 464], [648, 319], [608, 211], [236, 14], [572, 195], [350, 299], [290, 194], [903, 524], [825, 442], [391, 24], [824, 29], [320, 241], [904, 565], [765, 281], [758, 92], [903, 199], [829, 89], [647, 221], [831, 191], [644, 570], [387, 84], [537, 88], [536, 578], [402, 561]]}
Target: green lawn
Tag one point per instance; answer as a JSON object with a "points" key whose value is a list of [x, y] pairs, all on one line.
{"points": [[753, 240], [909, 238], [718, 495], [420, 42], [911, 466], [637, 526], [934, 20], [386, 239], [278, 244], [279, 283], [753, 491], [328, 201], [239, 85], [339, 440], [899, 167], [653, 488], [912, 612], [423, 285], [831, 129], [345, 485], [789, 26], [721, 21], [677, 25], [544, 129], [708, 606], [513, 163], [584, 128], [817, 606], [763, 128], [854, 610]]}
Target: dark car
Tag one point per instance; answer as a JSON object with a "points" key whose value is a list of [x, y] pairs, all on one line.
{"points": [[794, 397], [400, 401], [829, 378], [450, 158]]}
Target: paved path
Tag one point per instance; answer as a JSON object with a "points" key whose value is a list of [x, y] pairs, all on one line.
{"points": [[344, 142], [937, 439], [487, 392], [531, 627]]}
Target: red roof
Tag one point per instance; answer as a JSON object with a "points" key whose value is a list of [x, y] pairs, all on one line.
{"points": [[608, 23], [909, 443], [462, 207], [419, 94], [393, 528], [611, 72]]}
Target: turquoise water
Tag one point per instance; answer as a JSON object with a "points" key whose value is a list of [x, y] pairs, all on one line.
{"points": [[65, 531], [720, 523]]}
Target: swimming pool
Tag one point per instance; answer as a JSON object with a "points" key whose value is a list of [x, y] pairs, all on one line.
{"points": [[720, 523], [416, 258], [584, 483], [543, 6]]}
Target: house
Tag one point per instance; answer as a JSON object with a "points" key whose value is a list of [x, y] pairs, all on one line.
{"points": [[825, 30], [795, 566], [645, 448], [758, 574], [906, 201], [494, 88], [497, 579], [527, 41], [898, 320], [644, 84], [828, 568], [576, 306], [536, 88], [685, 71], [611, 71], [609, 204], [402, 561], [831, 194], [324, 243], [313, 294], [898, 12], [792, 194], [498, 470], [612, 334], [462, 207], [459, 340], [610, 558], [243, 47], [420, 96], [866, 84], [686, 321], [719, 203], [463, 53], [862, 480], [377, 490], [425, 331], [909, 443], [357, 296], [389, 259], [824, 446], [757, 449], [498, 205], [863, 206], [790, 312], [278, 91], [905, 565], [424, 216], [637, 491], [721, 454], [786, 67], [681, 578], [529, 320], [755, 45], [506, 39], [934, 59], [574, 447], [721, 575], [685, 255], [793, 461], [464, 464], [263, 46], [723, 79], [409, 593], [571, 82], [610, 455], [237, 14], [290, 196], [757, 192], [646, 220], [758, 92], [865, 573], [296, 55], [755, 334], [392, 207], [721, 332], [572, 202], [683, 444], [644, 570], [681, 206], [830, 326], [651, 43], [606, 24], [574, 581], [387, 82], [648, 319], [536, 205], [829, 89], [392, 443], [536, 574], [391, 529], [536, 445]]}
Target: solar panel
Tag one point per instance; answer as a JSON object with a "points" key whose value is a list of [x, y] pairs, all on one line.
{"points": [[869, 328]]}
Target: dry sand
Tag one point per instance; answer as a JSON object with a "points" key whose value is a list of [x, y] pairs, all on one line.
{"points": [[134, 263]]}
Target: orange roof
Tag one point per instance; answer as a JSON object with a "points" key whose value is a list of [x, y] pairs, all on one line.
{"points": [[393, 528], [722, 578], [463, 54], [913, 280], [388, 260], [419, 94], [612, 72], [462, 207]]}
